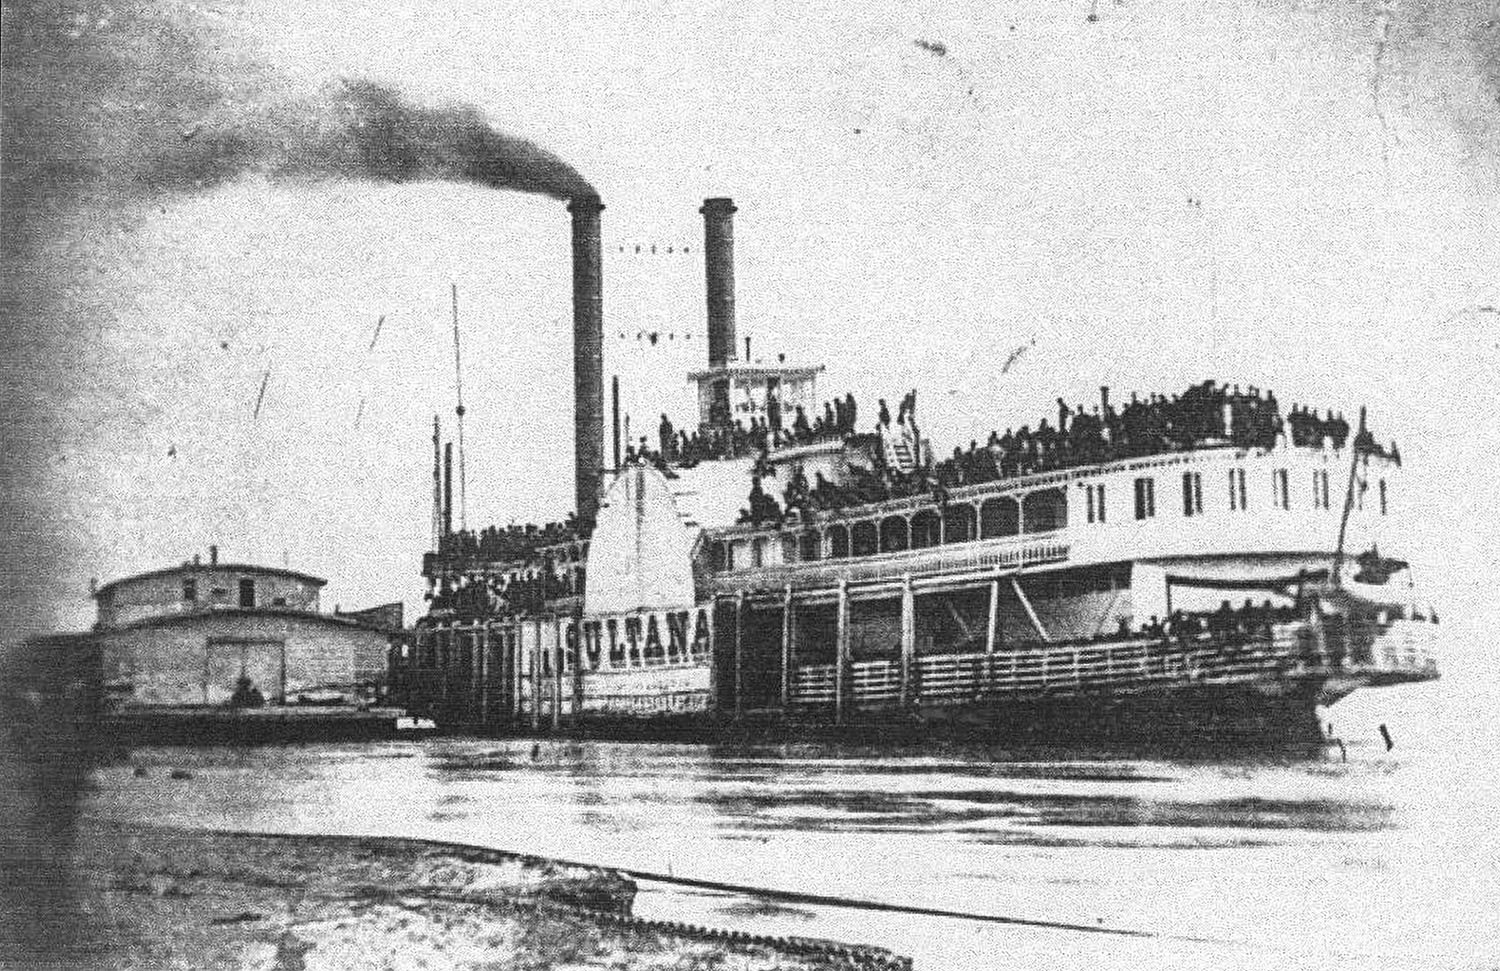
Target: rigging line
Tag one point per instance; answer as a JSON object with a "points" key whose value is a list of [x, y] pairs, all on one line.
{"points": [[768, 893], [376, 336]]}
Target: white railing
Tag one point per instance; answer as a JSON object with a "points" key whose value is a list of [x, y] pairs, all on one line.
{"points": [[926, 561], [1120, 667]]}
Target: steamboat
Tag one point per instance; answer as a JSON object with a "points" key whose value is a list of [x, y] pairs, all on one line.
{"points": [[1204, 566]]}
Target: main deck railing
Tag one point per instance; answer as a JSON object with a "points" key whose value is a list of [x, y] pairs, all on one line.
{"points": [[1402, 652]]}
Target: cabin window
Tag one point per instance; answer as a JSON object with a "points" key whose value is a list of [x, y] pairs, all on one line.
{"points": [[866, 539], [758, 552], [1237, 490], [1382, 497], [716, 557], [1044, 511], [190, 589], [1145, 497], [958, 524], [247, 593], [811, 544], [731, 554], [893, 534], [1095, 494], [1280, 493], [838, 542], [1192, 494], [926, 529], [999, 517]]}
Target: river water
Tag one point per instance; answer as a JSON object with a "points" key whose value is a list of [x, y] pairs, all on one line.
{"points": [[1386, 860]]}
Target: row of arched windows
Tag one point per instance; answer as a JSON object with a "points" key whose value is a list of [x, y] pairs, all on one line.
{"points": [[1041, 511]]}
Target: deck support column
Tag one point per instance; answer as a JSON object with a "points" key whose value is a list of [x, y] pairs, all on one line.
{"points": [[557, 672], [482, 674], [991, 635], [788, 632], [908, 642], [536, 675], [841, 663], [739, 655]]}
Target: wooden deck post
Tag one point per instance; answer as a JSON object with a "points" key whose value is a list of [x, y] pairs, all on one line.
{"points": [[557, 672], [739, 655], [536, 675], [788, 632], [991, 635], [908, 641], [841, 663], [482, 673]]}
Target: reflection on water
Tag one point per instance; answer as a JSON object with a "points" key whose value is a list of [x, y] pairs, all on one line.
{"points": [[1297, 860]]}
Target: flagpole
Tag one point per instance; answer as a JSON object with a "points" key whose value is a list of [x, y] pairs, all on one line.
{"points": [[1354, 450]]}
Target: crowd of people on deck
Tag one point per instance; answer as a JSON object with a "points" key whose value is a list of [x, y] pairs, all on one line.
{"points": [[1249, 619], [480, 595], [1206, 414], [511, 544], [724, 439]]}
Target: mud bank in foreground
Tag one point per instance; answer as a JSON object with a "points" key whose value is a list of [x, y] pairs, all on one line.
{"points": [[166, 898]]}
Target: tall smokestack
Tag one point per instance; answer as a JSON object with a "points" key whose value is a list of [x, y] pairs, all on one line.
{"points": [[588, 356], [718, 265]]}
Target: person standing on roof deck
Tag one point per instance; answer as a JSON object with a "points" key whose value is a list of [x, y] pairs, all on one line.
{"points": [[849, 413], [884, 421]]}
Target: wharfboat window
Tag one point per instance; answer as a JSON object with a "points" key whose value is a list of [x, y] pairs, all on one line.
{"points": [[1145, 497], [1192, 493], [1095, 494], [1237, 497], [247, 593]]}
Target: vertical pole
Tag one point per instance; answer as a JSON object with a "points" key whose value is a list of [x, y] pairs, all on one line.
{"points": [[485, 673], [476, 675], [908, 640], [536, 675], [841, 664], [788, 631], [739, 654], [557, 672], [991, 634], [614, 383]]}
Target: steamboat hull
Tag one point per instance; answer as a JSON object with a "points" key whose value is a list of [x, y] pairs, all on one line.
{"points": [[1212, 691]]}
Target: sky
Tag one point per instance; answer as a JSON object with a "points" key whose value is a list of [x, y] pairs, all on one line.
{"points": [[1296, 194]]}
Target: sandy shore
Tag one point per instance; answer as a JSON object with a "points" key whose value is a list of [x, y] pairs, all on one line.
{"points": [[168, 899]]}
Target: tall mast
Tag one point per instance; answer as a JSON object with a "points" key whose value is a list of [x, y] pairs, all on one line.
{"points": [[437, 484], [458, 376]]}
